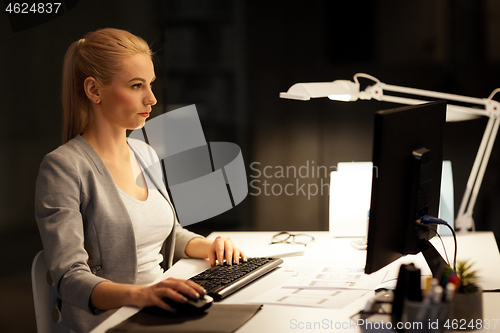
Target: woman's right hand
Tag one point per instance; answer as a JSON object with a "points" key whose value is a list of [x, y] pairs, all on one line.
{"points": [[176, 289], [108, 295]]}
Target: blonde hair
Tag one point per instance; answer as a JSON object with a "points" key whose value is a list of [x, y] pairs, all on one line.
{"points": [[100, 54]]}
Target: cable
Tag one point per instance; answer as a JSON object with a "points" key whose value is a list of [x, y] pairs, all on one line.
{"points": [[445, 252], [497, 90], [455, 240], [426, 219], [366, 76]]}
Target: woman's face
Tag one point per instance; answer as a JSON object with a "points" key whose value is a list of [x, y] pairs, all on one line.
{"points": [[127, 101]]}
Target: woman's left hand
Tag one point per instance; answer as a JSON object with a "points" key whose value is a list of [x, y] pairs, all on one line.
{"points": [[223, 248]]}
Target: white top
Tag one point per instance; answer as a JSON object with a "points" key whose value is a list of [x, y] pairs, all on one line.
{"points": [[152, 220]]}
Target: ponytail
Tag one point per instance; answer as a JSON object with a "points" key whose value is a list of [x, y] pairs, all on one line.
{"points": [[76, 105]]}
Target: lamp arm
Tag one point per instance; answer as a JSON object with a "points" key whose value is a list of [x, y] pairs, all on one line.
{"points": [[464, 217], [433, 94], [450, 107], [378, 90], [482, 169]]}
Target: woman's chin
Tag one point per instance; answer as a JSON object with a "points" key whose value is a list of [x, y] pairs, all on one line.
{"points": [[140, 126]]}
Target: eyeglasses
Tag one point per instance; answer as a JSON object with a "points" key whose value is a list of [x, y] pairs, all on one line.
{"points": [[287, 237]]}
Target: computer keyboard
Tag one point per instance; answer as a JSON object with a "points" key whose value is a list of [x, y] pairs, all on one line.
{"points": [[222, 280]]}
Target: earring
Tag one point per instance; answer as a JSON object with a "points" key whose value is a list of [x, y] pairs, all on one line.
{"points": [[97, 101]]}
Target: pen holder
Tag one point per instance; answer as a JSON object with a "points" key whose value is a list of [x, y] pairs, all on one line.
{"points": [[468, 310], [426, 318]]}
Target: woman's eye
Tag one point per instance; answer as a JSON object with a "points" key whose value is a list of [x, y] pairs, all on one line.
{"points": [[136, 86]]}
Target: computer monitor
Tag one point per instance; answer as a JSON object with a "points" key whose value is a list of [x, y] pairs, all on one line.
{"points": [[407, 160]]}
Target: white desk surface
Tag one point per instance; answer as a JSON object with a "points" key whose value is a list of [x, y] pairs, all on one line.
{"points": [[325, 250]]}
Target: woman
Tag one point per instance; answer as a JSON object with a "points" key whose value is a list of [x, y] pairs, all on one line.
{"points": [[104, 236]]}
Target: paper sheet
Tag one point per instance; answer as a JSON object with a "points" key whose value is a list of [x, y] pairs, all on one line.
{"points": [[332, 299], [322, 277]]}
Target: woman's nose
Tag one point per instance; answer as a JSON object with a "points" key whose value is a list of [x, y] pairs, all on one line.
{"points": [[151, 99]]}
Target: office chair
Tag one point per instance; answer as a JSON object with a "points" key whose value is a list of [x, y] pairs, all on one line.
{"points": [[48, 317]]}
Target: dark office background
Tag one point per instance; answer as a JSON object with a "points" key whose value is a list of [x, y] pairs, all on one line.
{"points": [[232, 58]]}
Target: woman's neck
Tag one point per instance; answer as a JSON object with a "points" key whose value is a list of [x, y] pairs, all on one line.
{"points": [[110, 144]]}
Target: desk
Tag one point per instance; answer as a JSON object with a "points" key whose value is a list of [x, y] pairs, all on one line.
{"points": [[480, 246]]}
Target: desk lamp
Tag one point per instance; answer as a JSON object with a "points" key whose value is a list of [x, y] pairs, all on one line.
{"points": [[349, 91]]}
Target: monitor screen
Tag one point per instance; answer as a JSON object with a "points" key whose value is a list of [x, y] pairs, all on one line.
{"points": [[407, 162]]}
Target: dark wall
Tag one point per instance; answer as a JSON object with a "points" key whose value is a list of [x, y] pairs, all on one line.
{"points": [[440, 45], [446, 46]]}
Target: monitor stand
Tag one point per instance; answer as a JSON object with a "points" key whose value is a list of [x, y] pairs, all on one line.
{"points": [[433, 257]]}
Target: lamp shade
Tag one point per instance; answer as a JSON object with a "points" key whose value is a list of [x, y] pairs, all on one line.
{"points": [[344, 90], [340, 90]]}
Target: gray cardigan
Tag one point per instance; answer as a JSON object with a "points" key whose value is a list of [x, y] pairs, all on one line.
{"points": [[86, 232]]}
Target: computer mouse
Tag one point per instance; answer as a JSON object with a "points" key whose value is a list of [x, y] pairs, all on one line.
{"points": [[191, 306]]}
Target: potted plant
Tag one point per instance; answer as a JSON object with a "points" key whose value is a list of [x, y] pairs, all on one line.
{"points": [[468, 301]]}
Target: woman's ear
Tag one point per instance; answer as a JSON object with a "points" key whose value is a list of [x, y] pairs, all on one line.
{"points": [[92, 90]]}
